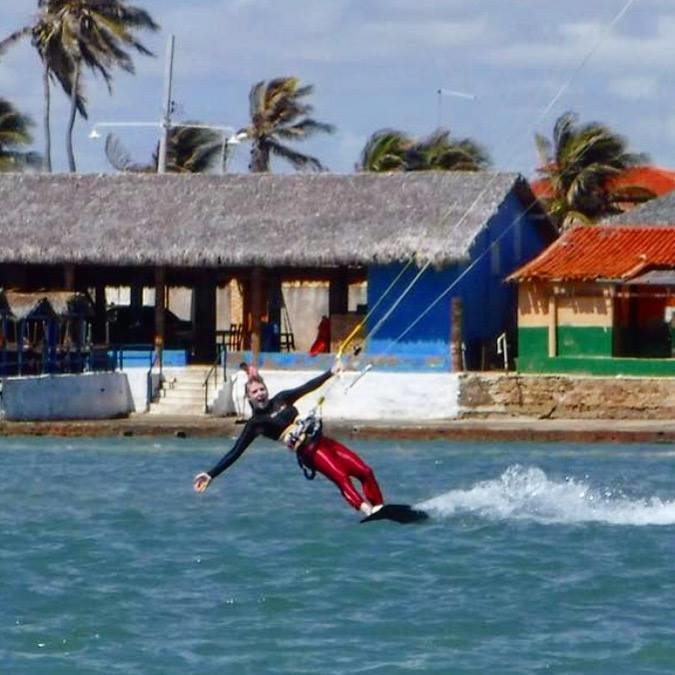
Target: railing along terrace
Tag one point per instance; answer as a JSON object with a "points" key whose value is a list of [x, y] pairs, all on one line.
{"points": [[73, 360], [219, 365]]}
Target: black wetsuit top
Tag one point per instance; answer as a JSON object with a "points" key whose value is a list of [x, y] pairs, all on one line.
{"points": [[270, 421]]}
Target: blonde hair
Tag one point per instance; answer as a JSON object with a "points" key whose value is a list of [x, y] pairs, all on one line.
{"points": [[253, 377]]}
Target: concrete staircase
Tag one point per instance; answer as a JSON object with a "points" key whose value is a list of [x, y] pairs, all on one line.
{"points": [[182, 392]]}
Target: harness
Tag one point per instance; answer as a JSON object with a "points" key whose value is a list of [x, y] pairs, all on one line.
{"points": [[304, 431]]}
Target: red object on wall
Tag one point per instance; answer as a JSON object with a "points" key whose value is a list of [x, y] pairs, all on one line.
{"points": [[321, 344]]}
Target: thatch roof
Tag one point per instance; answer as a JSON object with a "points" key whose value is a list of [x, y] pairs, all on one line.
{"points": [[659, 211], [241, 220]]}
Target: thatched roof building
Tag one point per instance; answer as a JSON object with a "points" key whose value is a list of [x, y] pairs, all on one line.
{"points": [[659, 211], [69, 232], [244, 220]]}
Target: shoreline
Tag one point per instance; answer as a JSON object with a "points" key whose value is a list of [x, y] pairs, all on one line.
{"points": [[483, 429]]}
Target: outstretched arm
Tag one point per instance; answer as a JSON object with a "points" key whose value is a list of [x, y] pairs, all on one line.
{"points": [[203, 479], [292, 395]]}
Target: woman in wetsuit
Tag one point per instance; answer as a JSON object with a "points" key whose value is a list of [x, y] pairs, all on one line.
{"points": [[275, 417]]}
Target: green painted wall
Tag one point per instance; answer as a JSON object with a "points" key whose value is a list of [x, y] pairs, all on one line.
{"points": [[584, 341], [596, 366], [572, 341], [596, 360], [533, 341]]}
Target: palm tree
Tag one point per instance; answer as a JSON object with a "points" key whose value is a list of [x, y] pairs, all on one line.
{"points": [[14, 134], [56, 64], [385, 151], [439, 152], [193, 149], [94, 33], [190, 149], [578, 165], [279, 113], [391, 150]]}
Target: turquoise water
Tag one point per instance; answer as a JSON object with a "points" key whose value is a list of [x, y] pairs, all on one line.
{"points": [[539, 558]]}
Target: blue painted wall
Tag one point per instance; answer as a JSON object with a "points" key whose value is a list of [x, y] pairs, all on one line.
{"points": [[510, 239]]}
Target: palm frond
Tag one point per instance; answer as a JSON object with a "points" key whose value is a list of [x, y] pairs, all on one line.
{"points": [[439, 152], [193, 149], [544, 149], [385, 151], [305, 128], [304, 90], [278, 113], [297, 159], [96, 31], [15, 37], [255, 99], [13, 125], [14, 134], [582, 159], [120, 159]]}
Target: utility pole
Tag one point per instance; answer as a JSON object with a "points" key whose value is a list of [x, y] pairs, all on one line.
{"points": [[165, 122]]}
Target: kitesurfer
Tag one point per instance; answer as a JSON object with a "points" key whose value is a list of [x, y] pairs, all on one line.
{"points": [[278, 418]]}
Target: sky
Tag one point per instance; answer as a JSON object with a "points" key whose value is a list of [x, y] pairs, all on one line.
{"points": [[379, 64]]}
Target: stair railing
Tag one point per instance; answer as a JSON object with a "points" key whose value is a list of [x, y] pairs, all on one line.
{"points": [[503, 349], [218, 365], [151, 396]]}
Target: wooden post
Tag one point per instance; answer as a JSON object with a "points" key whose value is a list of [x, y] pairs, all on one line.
{"points": [[456, 317], [69, 277], [552, 325], [136, 300], [99, 335], [160, 306], [246, 314], [256, 312], [274, 302], [338, 293], [204, 319]]}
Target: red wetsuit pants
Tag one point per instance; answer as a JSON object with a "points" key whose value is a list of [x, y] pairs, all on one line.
{"points": [[340, 464]]}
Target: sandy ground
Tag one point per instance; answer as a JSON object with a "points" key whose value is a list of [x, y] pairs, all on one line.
{"points": [[504, 428]]}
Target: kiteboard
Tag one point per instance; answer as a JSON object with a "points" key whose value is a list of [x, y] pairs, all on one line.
{"points": [[399, 513]]}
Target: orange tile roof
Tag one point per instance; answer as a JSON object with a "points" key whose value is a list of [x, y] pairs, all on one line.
{"points": [[542, 188], [591, 252], [653, 178], [656, 179]]}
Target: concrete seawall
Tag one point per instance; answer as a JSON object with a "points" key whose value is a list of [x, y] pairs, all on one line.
{"points": [[379, 396], [67, 397], [564, 396], [383, 405]]}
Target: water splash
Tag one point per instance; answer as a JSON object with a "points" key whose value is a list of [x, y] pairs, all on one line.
{"points": [[522, 493]]}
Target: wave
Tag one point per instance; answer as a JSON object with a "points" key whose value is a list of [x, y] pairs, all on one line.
{"points": [[522, 493]]}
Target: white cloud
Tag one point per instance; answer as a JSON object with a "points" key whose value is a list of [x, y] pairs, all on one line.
{"points": [[379, 63], [390, 36], [576, 40], [329, 33], [634, 88]]}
